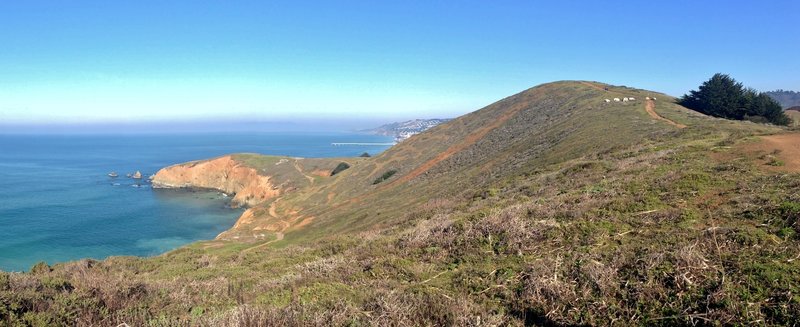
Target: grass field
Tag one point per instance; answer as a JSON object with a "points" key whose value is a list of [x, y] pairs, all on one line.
{"points": [[795, 116], [568, 211]]}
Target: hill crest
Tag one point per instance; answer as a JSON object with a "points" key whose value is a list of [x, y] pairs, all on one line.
{"points": [[546, 202], [540, 126]]}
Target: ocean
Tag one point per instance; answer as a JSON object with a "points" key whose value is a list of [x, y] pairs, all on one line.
{"points": [[58, 204]]}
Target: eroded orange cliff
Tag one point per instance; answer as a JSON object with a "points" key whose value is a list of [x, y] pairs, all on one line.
{"points": [[247, 186]]}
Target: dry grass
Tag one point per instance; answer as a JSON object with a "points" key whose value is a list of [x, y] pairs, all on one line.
{"points": [[650, 232]]}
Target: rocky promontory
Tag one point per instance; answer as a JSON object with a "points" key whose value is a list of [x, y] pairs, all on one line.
{"points": [[225, 174]]}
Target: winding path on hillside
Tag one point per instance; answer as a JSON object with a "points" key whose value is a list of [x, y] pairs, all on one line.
{"points": [[278, 237], [460, 146], [595, 86], [278, 234], [650, 107], [300, 170]]}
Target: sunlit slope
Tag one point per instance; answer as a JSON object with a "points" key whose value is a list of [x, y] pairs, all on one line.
{"points": [[521, 134], [526, 132], [795, 116], [545, 204]]}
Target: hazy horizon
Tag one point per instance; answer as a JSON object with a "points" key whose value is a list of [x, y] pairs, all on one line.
{"points": [[107, 62], [192, 126]]}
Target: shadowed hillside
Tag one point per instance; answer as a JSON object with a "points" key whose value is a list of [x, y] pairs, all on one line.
{"points": [[549, 207]]}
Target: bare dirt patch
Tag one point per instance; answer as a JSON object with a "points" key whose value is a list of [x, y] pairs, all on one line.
{"points": [[776, 152]]}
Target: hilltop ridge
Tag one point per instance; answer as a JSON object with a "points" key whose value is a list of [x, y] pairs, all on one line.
{"points": [[548, 207], [543, 125]]}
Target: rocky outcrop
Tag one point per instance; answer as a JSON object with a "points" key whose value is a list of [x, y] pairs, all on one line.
{"points": [[224, 174]]}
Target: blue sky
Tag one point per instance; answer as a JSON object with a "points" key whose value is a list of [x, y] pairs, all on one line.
{"points": [[124, 61]]}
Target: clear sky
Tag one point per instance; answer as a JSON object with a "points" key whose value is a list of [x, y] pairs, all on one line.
{"points": [[78, 61]]}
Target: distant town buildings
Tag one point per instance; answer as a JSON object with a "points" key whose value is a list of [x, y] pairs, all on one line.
{"points": [[404, 130]]}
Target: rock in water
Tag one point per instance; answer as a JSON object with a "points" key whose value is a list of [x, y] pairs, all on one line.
{"points": [[137, 175]]}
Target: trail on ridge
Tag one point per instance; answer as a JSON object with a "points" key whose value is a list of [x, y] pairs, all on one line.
{"points": [[300, 170], [650, 107], [460, 146]]}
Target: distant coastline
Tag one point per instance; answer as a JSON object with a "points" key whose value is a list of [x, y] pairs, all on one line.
{"points": [[401, 131]]}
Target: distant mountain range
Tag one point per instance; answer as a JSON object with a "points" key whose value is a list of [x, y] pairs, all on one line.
{"points": [[403, 130], [787, 99]]}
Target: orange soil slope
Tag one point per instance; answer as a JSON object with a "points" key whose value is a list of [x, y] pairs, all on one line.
{"points": [[224, 174], [785, 146]]}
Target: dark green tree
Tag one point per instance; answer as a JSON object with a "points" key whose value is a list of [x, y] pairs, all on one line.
{"points": [[722, 96], [342, 166]]}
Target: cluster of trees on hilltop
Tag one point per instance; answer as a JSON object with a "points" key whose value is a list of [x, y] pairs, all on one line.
{"points": [[787, 99], [722, 96]]}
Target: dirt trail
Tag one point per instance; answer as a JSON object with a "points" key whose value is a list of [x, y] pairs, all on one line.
{"points": [[273, 212], [460, 146], [787, 146], [650, 107], [278, 237], [596, 87], [300, 170]]}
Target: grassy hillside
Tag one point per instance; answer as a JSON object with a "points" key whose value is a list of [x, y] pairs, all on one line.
{"points": [[785, 98], [795, 116], [549, 207]]}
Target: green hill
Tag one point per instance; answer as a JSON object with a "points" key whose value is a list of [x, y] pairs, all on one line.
{"points": [[549, 207]]}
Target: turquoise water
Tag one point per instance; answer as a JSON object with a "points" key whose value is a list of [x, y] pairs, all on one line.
{"points": [[57, 203]]}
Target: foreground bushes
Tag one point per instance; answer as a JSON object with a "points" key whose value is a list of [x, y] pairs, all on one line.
{"points": [[665, 238]]}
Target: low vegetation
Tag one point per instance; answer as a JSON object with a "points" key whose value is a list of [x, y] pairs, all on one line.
{"points": [[644, 236], [795, 116], [384, 177], [342, 166], [582, 220]]}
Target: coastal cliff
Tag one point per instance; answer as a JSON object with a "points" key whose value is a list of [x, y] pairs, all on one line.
{"points": [[225, 174], [255, 181]]}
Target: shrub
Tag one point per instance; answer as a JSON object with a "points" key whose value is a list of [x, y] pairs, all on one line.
{"points": [[340, 168], [40, 268], [384, 177], [5, 283], [790, 211], [775, 162], [365, 155]]}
